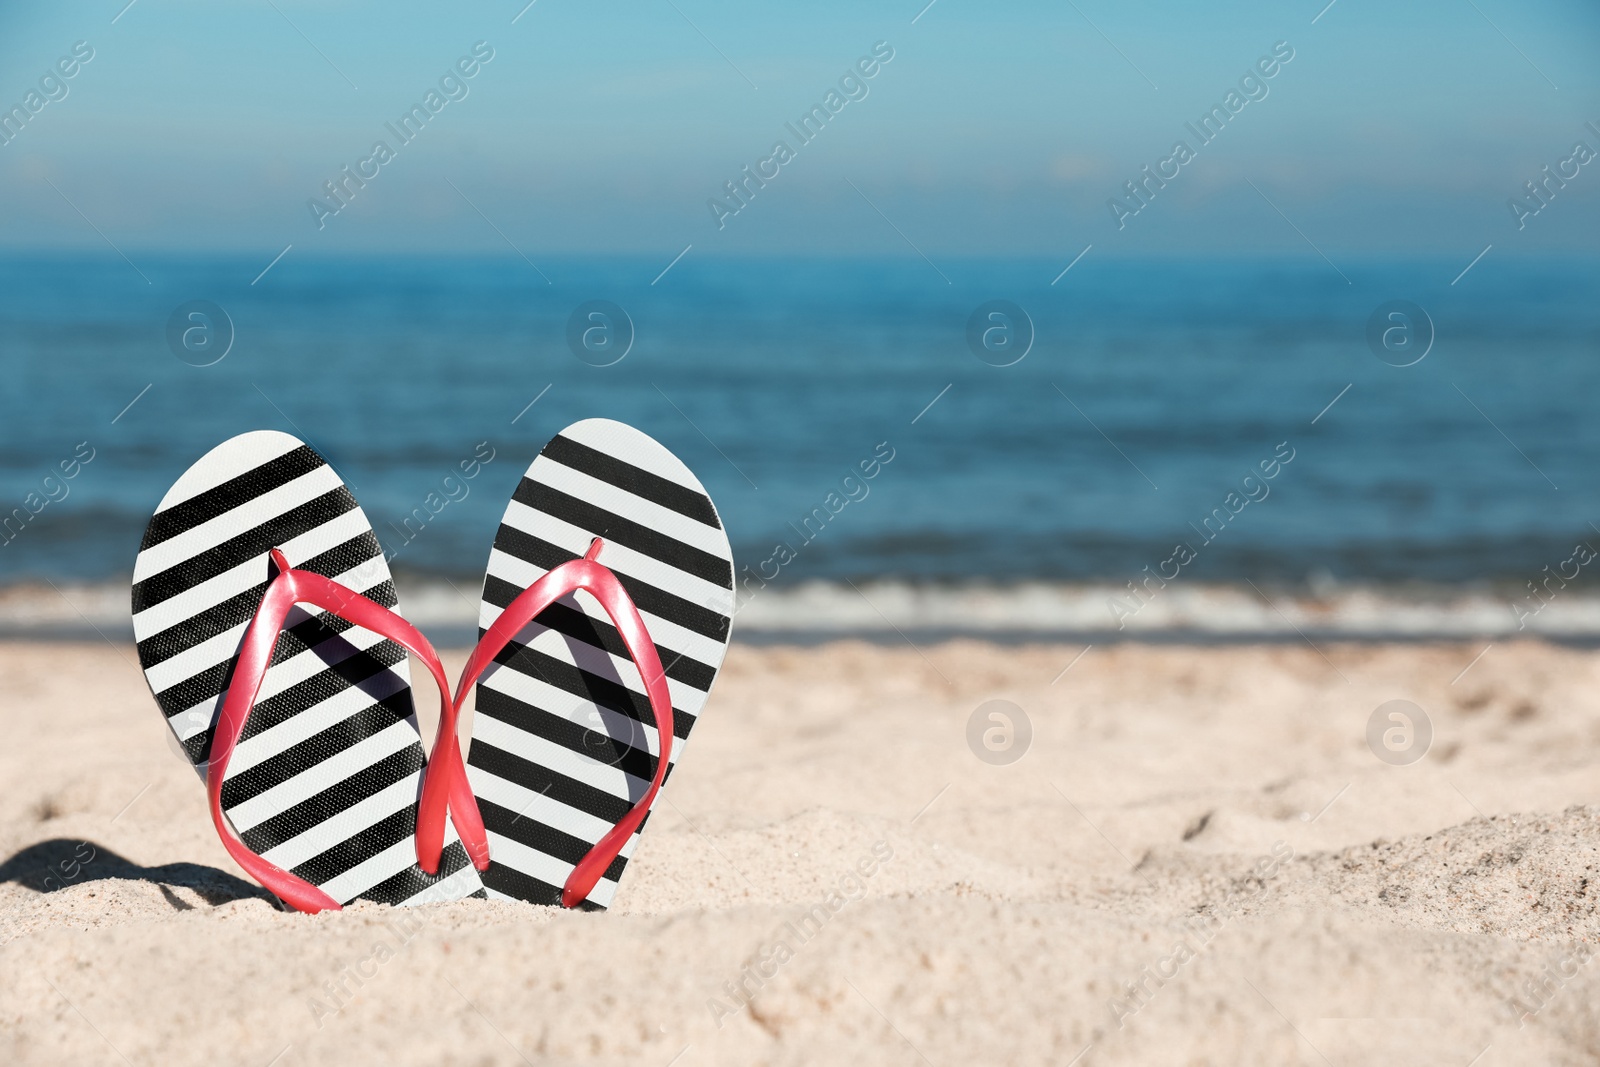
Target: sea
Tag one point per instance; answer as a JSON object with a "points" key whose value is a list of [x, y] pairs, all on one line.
{"points": [[1150, 447]]}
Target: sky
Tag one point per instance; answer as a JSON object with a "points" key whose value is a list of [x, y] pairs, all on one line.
{"points": [[606, 128]]}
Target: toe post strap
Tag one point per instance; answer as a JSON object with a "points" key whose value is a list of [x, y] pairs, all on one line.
{"points": [[594, 578], [287, 588]]}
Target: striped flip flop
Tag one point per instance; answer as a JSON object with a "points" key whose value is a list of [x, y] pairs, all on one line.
{"points": [[324, 778], [563, 760]]}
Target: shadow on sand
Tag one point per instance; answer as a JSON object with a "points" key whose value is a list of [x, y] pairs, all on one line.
{"points": [[54, 865]]}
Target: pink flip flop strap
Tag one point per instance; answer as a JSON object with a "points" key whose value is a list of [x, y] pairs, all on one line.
{"points": [[292, 587], [599, 581]]}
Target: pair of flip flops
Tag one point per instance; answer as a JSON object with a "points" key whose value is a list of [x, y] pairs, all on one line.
{"points": [[269, 629]]}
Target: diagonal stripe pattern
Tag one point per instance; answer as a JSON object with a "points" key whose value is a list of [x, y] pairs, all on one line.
{"points": [[563, 738], [325, 779]]}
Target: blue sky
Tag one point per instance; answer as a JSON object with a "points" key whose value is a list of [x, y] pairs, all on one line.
{"points": [[604, 127]]}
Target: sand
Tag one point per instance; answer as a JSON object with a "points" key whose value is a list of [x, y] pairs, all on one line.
{"points": [[1198, 860]]}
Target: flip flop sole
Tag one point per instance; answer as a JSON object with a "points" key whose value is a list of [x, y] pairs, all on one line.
{"points": [[325, 779], [563, 733]]}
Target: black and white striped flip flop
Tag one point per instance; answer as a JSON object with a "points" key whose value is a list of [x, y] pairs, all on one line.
{"points": [[324, 781], [563, 736]]}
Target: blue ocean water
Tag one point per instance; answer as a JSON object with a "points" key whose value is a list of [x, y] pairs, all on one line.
{"points": [[1151, 389]]}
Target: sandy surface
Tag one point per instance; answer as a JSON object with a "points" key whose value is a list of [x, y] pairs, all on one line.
{"points": [[1198, 860]]}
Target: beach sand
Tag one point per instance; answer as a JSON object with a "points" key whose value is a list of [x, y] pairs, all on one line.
{"points": [[1198, 860]]}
